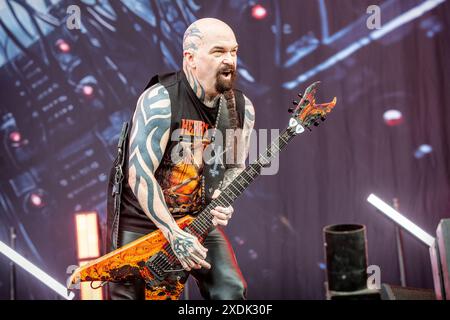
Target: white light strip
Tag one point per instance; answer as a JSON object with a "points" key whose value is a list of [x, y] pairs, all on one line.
{"points": [[395, 23], [36, 272], [406, 17], [400, 219]]}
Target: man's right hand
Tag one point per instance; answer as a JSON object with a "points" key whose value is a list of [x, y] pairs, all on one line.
{"points": [[188, 249]]}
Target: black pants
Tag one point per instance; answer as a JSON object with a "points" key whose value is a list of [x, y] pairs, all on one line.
{"points": [[223, 281]]}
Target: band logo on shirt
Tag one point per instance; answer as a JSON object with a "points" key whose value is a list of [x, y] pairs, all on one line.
{"points": [[194, 128]]}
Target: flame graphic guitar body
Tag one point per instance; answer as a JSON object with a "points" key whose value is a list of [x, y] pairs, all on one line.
{"points": [[129, 262]]}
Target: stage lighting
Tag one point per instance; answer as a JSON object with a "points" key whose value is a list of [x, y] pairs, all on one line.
{"points": [[259, 12], [63, 46], [87, 235], [393, 117], [239, 240], [15, 136], [401, 220], [88, 248], [35, 271], [402, 19], [423, 150], [88, 90], [253, 254], [36, 200], [16, 140]]}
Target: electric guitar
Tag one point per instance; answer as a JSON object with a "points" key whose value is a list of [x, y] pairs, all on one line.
{"points": [[151, 257]]}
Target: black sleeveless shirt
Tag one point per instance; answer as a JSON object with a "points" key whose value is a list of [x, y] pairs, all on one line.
{"points": [[184, 189]]}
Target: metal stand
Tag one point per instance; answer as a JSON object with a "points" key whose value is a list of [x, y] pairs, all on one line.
{"points": [[12, 274], [398, 231], [400, 252]]}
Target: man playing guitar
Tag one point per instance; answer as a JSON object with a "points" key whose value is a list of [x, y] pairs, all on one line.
{"points": [[181, 112]]}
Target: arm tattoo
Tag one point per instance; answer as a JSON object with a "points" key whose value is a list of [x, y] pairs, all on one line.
{"points": [[149, 137], [148, 140], [249, 121]]}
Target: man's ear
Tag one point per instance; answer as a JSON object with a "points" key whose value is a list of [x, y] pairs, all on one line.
{"points": [[189, 58]]}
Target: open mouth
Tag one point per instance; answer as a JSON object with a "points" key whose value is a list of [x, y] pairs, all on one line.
{"points": [[226, 74]]}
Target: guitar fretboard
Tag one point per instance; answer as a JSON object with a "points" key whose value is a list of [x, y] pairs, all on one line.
{"points": [[202, 224]]}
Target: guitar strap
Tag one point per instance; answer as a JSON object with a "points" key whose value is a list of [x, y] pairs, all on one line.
{"points": [[215, 168], [118, 178]]}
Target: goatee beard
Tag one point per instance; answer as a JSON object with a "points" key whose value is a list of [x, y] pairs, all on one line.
{"points": [[222, 84]]}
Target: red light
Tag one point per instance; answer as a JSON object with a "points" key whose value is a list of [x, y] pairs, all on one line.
{"points": [[36, 200], [88, 90], [393, 117], [63, 46], [259, 12], [15, 136]]}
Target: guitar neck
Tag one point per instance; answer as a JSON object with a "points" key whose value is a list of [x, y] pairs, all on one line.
{"points": [[203, 222], [305, 114]]}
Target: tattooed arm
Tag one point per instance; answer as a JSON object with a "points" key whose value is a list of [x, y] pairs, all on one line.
{"points": [[222, 215], [148, 140]]}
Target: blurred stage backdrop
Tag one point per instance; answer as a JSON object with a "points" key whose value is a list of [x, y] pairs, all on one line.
{"points": [[65, 93]]}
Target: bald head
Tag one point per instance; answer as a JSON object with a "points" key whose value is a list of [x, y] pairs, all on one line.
{"points": [[206, 31]]}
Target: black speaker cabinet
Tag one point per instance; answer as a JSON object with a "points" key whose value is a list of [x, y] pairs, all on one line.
{"points": [[391, 292], [362, 294], [443, 242]]}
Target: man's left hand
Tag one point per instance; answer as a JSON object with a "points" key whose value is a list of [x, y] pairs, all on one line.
{"points": [[221, 214]]}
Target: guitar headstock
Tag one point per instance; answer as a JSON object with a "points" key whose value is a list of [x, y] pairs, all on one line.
{"points": [[306, 112]]}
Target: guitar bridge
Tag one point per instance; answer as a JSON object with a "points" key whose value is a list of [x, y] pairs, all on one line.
{"points": [[156, 265]]}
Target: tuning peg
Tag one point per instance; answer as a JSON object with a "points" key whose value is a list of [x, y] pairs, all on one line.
{"points": [[291, 109], [300, 95], [316, 123], [323, 118], [294, 102]]}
